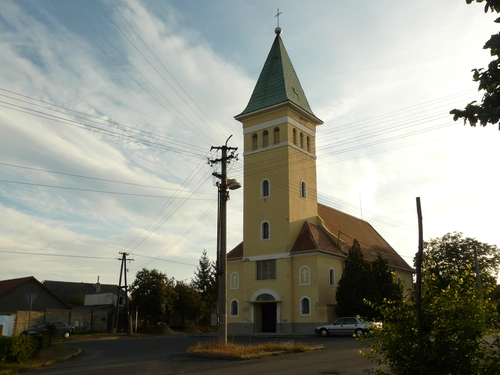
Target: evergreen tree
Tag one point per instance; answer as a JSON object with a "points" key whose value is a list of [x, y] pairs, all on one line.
{"points": [[388, 287], [356, 284], [205, 282]]}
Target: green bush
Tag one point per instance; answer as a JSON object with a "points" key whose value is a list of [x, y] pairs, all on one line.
{"points": [[20, 348]]}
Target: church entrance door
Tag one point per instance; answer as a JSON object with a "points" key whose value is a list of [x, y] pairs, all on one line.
{"points": [[269, 317]]}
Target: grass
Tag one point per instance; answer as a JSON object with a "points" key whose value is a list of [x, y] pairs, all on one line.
{"points": [[53, 354], [236, 350]]}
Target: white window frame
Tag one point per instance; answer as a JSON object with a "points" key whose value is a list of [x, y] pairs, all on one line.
{"points": [[237, 308], [262, 238], [301, 305], [262, 188]]}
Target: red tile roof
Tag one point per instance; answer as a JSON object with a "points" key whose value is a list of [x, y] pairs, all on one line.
{"points": [[335, 235]]}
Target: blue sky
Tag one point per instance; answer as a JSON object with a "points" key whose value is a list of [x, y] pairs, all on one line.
{"points": [[109, 110]]}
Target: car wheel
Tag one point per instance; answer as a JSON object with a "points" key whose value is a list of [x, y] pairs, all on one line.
{"points": [[66, 335], [324, 333], [359, 332]]}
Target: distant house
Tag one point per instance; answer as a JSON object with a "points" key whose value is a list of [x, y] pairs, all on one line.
{"points": [[99, 300], [26, 303], [85, 294]]}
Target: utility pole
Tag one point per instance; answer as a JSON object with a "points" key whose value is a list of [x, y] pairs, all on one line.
{"points": [[418, 291], [123, 271], [223, 196]]}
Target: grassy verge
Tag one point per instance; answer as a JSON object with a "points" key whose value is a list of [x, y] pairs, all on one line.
{"points": [[55, 353], [236, 350]]}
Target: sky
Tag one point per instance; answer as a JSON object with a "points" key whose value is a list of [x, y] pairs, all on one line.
{"points": [[109, 111]]}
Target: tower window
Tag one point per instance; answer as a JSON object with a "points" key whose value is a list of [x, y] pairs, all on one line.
{"points": [[303, 189], [265, 189], [331, 277], [254, 141], [276, 136], [266, 269], [308, 144], [265, 231], [294, 136], [301, 140], [234, 308], [305, 306], [265, 138]]}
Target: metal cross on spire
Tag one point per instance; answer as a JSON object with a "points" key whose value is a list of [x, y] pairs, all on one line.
{"points": [[278, 16]]}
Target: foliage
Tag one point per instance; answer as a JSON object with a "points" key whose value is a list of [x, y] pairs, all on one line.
{"points": [[18, 348], [452, 254], [188, 302], [455, 322], [205, 282], [487, 112], [356, 285], [233, 349], [388, 286], [154, 295]]}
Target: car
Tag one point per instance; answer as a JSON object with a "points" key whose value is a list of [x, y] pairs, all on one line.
{"points": [[63, 329], [349, 325]]}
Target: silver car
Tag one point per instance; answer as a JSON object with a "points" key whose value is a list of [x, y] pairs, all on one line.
{"points": [[348, 326]]}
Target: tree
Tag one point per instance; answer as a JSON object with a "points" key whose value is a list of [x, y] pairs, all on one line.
{"points": [[356, 285], [455, 322], [153, 293], [388, 286], [188, 303], [487, 112], [452, 254], [205, 282]]}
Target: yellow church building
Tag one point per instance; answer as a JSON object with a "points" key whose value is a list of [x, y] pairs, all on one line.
{"points": [[283, 276]]}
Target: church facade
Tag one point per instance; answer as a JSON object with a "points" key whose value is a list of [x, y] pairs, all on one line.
{"points": [[283, 276]]}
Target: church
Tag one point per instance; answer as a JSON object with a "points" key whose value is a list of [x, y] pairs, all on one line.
{"points": [[283, 276]]}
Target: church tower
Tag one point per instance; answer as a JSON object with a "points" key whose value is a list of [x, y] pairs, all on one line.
{"points": [[283, 276], [279, 128]]}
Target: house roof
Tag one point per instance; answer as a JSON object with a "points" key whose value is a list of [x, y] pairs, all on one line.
{"points": [[8, 285], [67, 291], [347, 228], [335, 235], [277, 83]]}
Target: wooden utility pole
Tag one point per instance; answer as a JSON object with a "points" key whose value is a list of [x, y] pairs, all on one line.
{"points": [[223, 195], [418, 291], [123, 271]]}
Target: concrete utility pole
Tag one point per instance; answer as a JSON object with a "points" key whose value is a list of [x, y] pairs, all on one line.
{"points": [[223, 196], [123, 271]]}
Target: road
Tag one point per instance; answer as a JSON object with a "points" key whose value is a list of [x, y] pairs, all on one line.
{"points": [[164, 355]]}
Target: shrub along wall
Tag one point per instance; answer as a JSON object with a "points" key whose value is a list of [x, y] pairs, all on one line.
{"points": [[20, 348]]}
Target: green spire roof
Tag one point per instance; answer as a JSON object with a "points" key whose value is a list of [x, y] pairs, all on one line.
{"points": [[278, 82]]}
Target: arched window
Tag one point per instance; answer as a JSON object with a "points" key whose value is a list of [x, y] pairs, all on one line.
{"points": [[234, 308], [303, 189], [265, 190], [265, 231], [308, 144], [254, 141], [305, 306], [265, 138], [331, 277], [276, 136], [301, 140], [234, 281], [304, 275], [294, 136]]}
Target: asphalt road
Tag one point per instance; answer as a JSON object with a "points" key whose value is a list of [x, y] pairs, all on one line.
{"points": [[167, 355]]}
